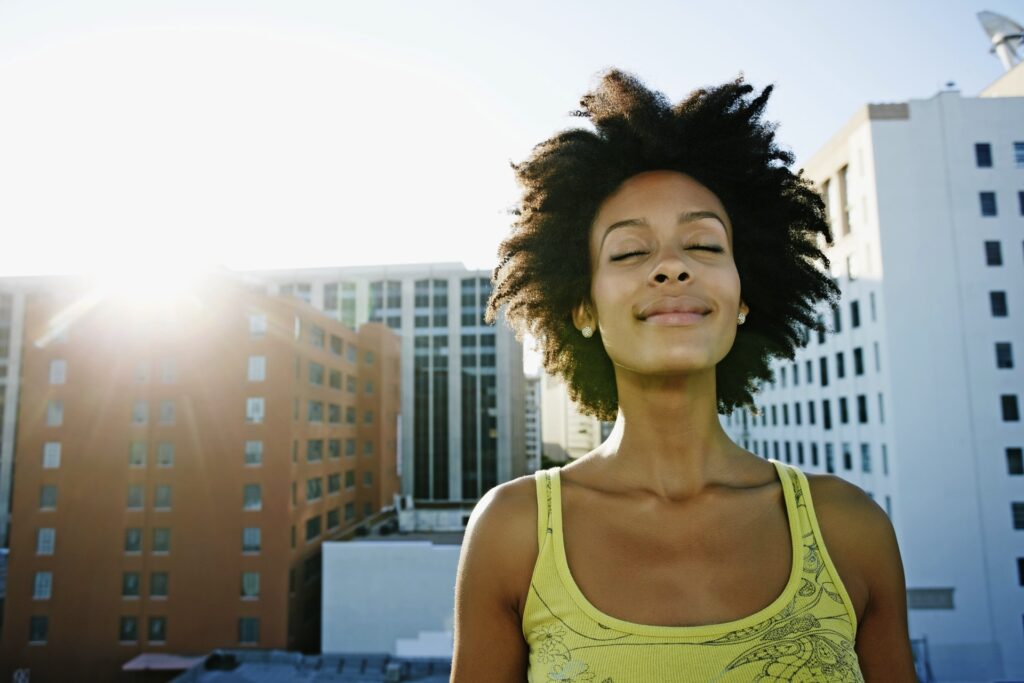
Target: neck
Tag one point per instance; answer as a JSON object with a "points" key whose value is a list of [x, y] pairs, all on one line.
{"points": [[667, 438]]}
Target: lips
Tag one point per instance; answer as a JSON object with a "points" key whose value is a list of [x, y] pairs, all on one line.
{"points": [[674, 305]]}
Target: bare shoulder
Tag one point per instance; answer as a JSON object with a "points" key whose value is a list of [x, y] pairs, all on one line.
{"points": [[502, 529], [857, 532]]}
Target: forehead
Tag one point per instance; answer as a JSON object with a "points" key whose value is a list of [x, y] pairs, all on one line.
{"points": [[655, 196]]}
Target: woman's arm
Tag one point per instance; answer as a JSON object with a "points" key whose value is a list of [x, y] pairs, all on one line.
{"points": [[883, 640], [496, 556]]}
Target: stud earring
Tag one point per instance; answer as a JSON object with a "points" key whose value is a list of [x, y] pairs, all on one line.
{"points": [[741, 317], [588, 331]]}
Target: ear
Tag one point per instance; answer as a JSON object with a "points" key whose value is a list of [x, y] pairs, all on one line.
{"points": [[581, 315], [744, 309]]}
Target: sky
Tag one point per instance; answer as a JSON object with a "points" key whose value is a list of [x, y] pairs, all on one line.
{"points": [[301, 133]]}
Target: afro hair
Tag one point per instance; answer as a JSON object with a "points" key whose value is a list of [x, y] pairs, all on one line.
{"points": [[717, 136]]}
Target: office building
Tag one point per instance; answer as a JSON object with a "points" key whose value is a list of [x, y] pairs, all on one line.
{"points": [[914, 392], [176, 466], [463, 385]]}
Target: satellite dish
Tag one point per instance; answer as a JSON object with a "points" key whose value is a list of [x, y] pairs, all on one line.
{"points": [[1007, 37]]}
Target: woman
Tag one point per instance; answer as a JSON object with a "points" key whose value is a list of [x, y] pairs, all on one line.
{"points": [[669, 553]]}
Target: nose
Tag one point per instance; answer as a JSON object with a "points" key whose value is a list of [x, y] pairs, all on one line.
{"points": [[669, 268]]}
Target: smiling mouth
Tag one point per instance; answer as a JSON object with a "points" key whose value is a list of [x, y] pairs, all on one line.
{"points": [[675, 318]]}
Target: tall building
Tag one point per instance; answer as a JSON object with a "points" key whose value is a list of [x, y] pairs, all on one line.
{"points": [[463, 407], [566, 432], [177, 466], [532, 435], [913, 394]]}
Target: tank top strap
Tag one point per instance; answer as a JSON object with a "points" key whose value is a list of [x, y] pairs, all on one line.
{"points": [[542, 479]]}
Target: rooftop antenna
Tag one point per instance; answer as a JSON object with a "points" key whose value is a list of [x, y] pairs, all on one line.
{"points": [[1007, 37]]}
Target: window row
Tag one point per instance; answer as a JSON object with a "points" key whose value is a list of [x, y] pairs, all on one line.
{"points": [[128, 629], [315, 490], [315, 448], [983, 154], [987, 201]]}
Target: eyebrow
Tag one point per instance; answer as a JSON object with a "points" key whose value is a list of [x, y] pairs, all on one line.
{"points": [[685, 217]]}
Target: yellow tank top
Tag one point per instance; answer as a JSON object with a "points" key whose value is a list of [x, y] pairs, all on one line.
{"points": [[806, 634]]}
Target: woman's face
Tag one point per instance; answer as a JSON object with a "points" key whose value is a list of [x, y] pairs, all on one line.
{"points": [[660, 243]]}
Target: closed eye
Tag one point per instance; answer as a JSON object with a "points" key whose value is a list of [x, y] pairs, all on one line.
{"points": [[705, 247]]}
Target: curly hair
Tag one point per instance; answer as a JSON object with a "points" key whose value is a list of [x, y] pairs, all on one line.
{"points": [[717, 136]]}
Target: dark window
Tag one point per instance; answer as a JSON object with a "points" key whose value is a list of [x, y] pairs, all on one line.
{"points": [[809, 367], [810, 413], [157, 629], [823, 370], [1018, 515], [844, 416], [862, 408], [840, 365], [775, 417], [1015, 460], [1020, 570], [249, 630], [837, 322], [1004, 355], [858, 361], [993, 253], [814, 454], [820, 329], [796, 412], [854, 314], [158, 584], [983, 154], [312, 528], [129, 629], [1020, 201], [826, 414], [1011, 411], [847, 458], [997, 302], [988, 203]]}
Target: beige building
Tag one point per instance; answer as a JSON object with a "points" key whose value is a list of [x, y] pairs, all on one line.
{"points": [[176, 468], [566, 433]]}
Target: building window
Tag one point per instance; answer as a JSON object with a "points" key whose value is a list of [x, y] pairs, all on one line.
{"points": [[1015, 461], [336, 345], [334, 379], [54, 413], [997, 304], [983, 154], [252, 497], [168, 371], [316, 336], [1020, 570], [58, 371], [312, 528], [136, 498], [350, 446], [862, 408], [38, 625], [350, 384], [1020, 202], [826, 413], [368, 388], [1018, 154], [333, 518], [993, 253], [1017, 510], [254, 410], [253, 453], [314, 489], [1004, 355], [367, 478], [130, 584], [840, 365], [316, 411], [140, 412], [316, 374], [133, 540], [257, 324], [1011, 412], [333, 413], [988, 203], [333, 483], [350, 511], [367, 448], [167, 412], [248, 630], [137, 454], [157, 629], [250, 585], [48, 497], [350, 415], [865, 457], [368, 416], [42, 586], [158, 582], [51, 455], [350, 479], [823, 370], [257, 368], [251, 540], [929, 598], [334, 448], [369, 356], [162, 495], [129, 630], [161, 540], [314, 450], [367, 509], [165, 454]]}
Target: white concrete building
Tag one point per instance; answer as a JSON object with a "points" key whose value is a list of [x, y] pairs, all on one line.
{"points": [[462, 421], [391, 596], [532, 440], [566, 433], [914, 394]]}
